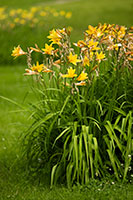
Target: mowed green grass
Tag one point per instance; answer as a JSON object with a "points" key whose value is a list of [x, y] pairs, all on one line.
{"points": [[14, 183]]}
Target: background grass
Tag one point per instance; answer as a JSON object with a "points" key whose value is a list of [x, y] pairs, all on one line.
{"points": [[13, 183]]}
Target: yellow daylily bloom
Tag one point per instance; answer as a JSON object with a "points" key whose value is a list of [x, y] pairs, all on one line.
{"points": [[100, 56], [62, 12], [18, 52], [91, 30], [38, 67], [121, 33], [12, 12], [93, 45], [116, 46], [86, 61], [73, 58], [48, 49], [98, 33], [68, 15], [54, 37], [71, 73], [83, 76], [43, 13]]}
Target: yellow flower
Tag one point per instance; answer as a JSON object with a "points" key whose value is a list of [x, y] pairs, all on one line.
{"points": [[91, 30], [34, 9], [48, 49], [16, 20], [62, 12], [73, 58], [37, 67], [93, 45], [98, 33], [116, 46], [18, 52], [54, 37], [100, 56], [22, 21], [71, 73], [86, 61], [82, 76], [43, 13], [121, 33], [68, 15], [12, 12]]}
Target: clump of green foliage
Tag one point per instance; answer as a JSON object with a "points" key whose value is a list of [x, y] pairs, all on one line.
{"points": [[82, 122]]}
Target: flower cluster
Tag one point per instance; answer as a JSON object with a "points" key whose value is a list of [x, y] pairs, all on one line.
{"points": [[105, 43], [32, 17]]}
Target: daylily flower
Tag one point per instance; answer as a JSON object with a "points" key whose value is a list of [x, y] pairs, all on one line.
{"points": [[62, 12], [48, 49], [71, 73], [82, 76], [91, 30], [73, 58], [54, 37], [100, 56], [98, 33], [86, 61], [68, 15], [18, 52], [38, 67], [93, 45]]}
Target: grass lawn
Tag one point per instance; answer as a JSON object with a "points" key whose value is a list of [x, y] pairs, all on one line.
{"points": [[14, 182]]}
